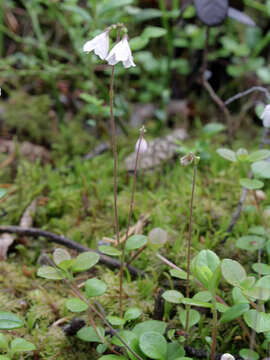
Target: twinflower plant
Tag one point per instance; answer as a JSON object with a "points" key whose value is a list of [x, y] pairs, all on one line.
{"points": [[120, 52]]}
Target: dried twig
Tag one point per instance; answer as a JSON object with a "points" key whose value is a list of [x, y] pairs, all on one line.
{"points": [[34, 232], [248, 91]]}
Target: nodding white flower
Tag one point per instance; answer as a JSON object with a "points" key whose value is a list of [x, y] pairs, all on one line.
{"points": [[227, 357], [143, 146], [121, 52], [266, 116], [100, 45]]}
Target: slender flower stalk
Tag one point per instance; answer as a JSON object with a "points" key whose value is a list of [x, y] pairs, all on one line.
{"points": [[215, 327], [186, 160], [140, 143], [114, 146]]}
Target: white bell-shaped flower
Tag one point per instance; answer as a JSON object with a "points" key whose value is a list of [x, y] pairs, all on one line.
{"points": [[121, 52], [100, 45], [227, 357], [266, 116], [141, 146]]}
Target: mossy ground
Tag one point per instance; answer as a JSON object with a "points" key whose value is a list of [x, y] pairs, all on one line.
{"points": [[75, 199]]}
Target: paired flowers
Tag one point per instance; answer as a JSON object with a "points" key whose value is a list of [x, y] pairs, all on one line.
{"points": [[120, 52]]}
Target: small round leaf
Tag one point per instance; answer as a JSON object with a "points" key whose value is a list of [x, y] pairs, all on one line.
{"points": [[76, 305], [95, 287], [21, 345], [60, 255], [109, 250], [172, 296], [153, 345], [194, 317], [115, 320], [258, 321], [88, 334], [48, 272], [251, 184], [135, 242], [85, 261], [132, 313]]}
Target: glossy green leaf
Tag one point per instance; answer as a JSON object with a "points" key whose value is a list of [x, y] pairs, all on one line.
{"points": [[227, 154], [193, 302], [48, 272], [258, 155], [85, 261], [157, 238], [109, 250], [153, 32], [204, 265], [257, 293], [21, 345], [172, 296], [60, 255], [262, 269], [175, 350], [233, 272], [251, 184], [234, 312], [194, 317], [180, 274], [250, 242], [150, 325], [153, 345], [88, 334], [132, 313], [258, 321], [264, 282], [204, 296], [213, 128], [261, 169], [132, 340], [238, 297], [248, 282], [248, 354], [76, 305], [9, 321], [138, 43], [112, 5], [115, 320], [135, 242], [94, 287], [257, 230]]}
